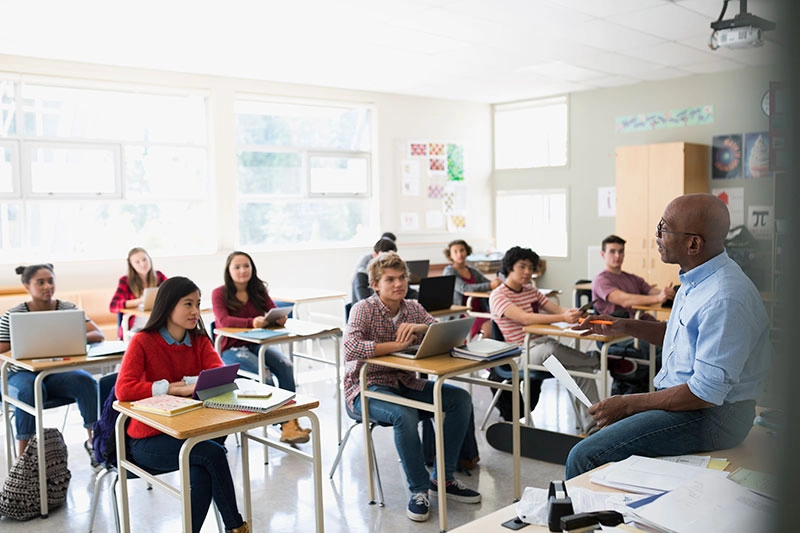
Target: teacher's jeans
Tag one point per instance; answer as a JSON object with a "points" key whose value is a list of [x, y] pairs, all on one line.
{"points": [[457, 407], [209, 474], [76, 384], [664, 433], [278, 364]]}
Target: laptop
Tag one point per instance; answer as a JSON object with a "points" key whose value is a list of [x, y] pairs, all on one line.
{"points": [[148, 299], [40, 334], [436, 293], [441, 336], [418, 270], [215, 381]]}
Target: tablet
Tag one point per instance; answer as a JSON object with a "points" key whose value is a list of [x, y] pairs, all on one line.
{"points": [[277, 312]]}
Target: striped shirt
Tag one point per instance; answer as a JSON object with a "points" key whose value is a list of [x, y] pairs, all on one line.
{"points": [[371, 323], [529, 299]]}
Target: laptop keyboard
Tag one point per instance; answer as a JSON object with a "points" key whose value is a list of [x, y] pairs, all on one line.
{"points": [[411, 350]]}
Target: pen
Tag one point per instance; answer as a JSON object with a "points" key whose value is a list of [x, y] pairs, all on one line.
{"points": [[49, 359]]}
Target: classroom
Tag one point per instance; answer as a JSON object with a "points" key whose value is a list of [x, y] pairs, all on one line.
{"points": [[173, 128]]}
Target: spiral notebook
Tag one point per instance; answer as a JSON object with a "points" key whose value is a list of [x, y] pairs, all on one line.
{"points": [[250, 395]]}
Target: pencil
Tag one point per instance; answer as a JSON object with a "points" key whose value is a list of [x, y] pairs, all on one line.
{"points": [[606, 322]]}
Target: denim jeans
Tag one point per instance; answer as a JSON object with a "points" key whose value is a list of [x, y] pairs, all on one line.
{"points": [[209, 474], [76, 384], [278, 364], [662, 433], [457, 407]]}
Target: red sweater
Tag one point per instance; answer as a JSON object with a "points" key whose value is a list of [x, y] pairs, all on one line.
{"points": [[243, 318], [149, 359]]}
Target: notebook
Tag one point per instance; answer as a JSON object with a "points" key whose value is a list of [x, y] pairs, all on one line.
{"points": [[249, 395], [436, 293], [441, 336], [214, 381], [100, 349], [39, 334], [417, 270], [148, 298]]}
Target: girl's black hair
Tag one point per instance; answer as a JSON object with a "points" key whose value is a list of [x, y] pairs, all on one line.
{"points": [[169, 294], [27, 272], [256, 289], [515, 254]]}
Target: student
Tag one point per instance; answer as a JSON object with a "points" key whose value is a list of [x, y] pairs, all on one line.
{"points": [[242, 302], [384, 323], [40, 282], [361, 266], [517, 303], [361, 285], [617, 291], [166, 357], [130, 287], [716, 351], [469, 279]]}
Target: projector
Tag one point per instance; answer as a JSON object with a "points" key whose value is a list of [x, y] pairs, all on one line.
{"points": [[742, 37]]}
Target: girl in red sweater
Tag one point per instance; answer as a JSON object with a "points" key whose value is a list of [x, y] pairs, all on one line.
{"points": [[165, 358]]}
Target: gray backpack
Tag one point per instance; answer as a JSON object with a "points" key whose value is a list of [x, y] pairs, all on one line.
{"points": [[20, 496]]}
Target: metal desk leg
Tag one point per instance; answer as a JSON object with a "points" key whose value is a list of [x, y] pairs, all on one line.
{"points": [[367, 440], [125, 519], [6, 418], [526, 374], [438, 420], [38, 402]]}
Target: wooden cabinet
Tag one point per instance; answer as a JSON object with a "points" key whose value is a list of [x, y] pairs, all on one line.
{"points": [[648, 177]]}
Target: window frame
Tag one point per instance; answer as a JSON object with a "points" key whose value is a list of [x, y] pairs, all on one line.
{"points": [[13, 146]]}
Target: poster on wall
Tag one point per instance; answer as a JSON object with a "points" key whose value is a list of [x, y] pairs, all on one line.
{"points": [[756, 155], [409, 221], [760, 221], [726, 156], [734, 199]]}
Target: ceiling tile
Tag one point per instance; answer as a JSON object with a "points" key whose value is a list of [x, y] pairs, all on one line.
{"points": [[668, 21], [604, 8], [609, 36], [665, 73], [564, 71], [613, 63], [670, 53]]}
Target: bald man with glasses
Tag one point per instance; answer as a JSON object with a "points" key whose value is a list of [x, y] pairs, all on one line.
{"points": [[716, 351]]}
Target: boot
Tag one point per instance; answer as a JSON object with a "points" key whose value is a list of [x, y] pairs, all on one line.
{"points": [[244, 528], [292, 433]]}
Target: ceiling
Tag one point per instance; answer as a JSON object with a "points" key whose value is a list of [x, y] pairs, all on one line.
{"points": [[475, 50]]}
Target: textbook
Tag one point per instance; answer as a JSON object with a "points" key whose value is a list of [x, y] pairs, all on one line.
{"points": [[485, 347], [260, 334], [166, 404], [244, 399], [461, 352]]}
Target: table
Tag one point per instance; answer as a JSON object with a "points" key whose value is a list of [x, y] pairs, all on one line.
{"points": [[302, 297], [43, 369], [444, 367], [204, 424], [654, 310], [299, 331], [455, 311], [757, 452], [536, 330]]}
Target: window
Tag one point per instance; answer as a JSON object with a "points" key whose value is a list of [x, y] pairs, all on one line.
{"points": [[531, 134], [89, 171], [304, 173], [533, 219]]}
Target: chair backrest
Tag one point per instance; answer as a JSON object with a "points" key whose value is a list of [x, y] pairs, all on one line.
{"points": [[347, 307], [582, 296]]}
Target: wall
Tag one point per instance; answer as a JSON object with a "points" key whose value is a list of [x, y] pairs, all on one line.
{"points": [[397, 118], [736, 96]]}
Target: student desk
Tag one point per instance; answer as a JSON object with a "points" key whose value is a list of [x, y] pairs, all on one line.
{"points": [[656, 310], [537, 330], [757, 452], [455, 311], [302, 297], [299, 330], [43, 369], [204, 424], [135, 311], [443, 367], [471, 295]]}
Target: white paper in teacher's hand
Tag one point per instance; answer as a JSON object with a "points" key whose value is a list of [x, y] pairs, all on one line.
{"points": [[560, 373]]}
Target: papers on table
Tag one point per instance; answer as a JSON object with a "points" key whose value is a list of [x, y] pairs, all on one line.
{"points": [[560, 373], [645, 475]]}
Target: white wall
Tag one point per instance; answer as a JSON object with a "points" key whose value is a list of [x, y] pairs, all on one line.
{"points": [[397, 118]]}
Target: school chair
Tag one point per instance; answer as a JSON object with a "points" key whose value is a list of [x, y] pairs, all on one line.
{"points": [[581, 296], [357, 421]]}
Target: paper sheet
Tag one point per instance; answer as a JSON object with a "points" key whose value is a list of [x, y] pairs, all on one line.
{"points": [[560, 373]]}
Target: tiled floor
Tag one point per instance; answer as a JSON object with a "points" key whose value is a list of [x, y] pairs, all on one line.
{"points": [[282, 490]]}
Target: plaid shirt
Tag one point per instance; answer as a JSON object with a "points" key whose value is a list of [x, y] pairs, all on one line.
{"points": [[370, 324], [124, 293]]}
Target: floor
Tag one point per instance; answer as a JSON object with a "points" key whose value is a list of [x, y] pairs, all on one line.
{"points": [[282, 489]]}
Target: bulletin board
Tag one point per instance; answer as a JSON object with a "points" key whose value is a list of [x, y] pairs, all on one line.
{"points": [[432, 190]]}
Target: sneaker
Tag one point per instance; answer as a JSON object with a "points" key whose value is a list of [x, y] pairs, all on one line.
{"points": [[419, 507], [457, 491], [87, 445]]}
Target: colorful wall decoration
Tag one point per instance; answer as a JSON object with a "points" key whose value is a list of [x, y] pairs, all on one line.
{"points": [[674, 118]]}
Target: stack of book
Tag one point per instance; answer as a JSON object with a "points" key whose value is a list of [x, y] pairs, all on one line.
{"points": [[485, 350]]}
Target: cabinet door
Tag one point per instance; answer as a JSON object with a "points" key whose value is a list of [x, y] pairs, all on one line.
{"points": [[667, 178], [632, 189]]}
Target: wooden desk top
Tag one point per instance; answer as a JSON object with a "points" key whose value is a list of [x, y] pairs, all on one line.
{"points": [[34, 365], [453, 309], [583, 286], [304, 295], [436, 365], [477, 294], [205, 420], [652, 308], [548, 329]]}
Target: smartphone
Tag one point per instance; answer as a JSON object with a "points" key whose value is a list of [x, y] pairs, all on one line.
{"points": [[586, 307], [514, 523]]}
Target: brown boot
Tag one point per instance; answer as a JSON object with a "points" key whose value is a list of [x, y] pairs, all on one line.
{"points": [[244, 528], [292, 433]]}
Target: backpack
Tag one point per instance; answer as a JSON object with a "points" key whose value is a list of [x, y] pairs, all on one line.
{"points": [[103, 432], [19, 498]]}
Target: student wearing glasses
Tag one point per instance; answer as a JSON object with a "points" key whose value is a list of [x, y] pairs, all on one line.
{"points": [[715, 351]]}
